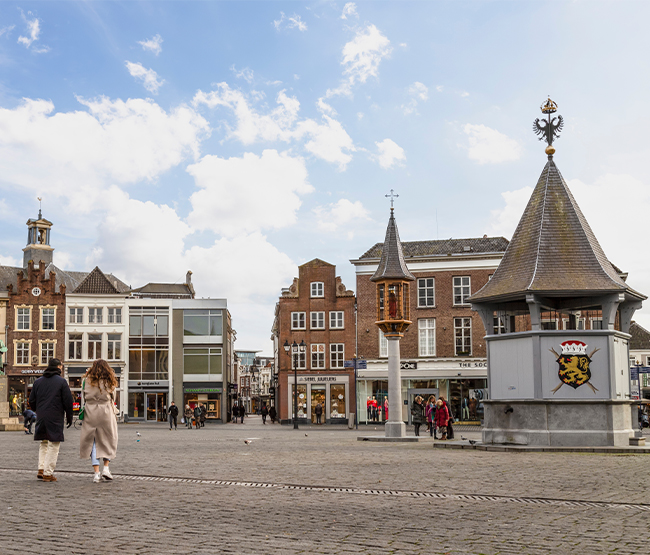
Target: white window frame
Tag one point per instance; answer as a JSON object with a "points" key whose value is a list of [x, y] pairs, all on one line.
{"points": [[114, 342], [383, 345], [42, 318], [80, 341], [20, 318], [647, 360], [296, 318], [317, 320], [114, 315], [27, 342], [337, 355], [459, 287], [427, 337], [591, 323], [423, 285], [75, 315], [499, 325], [466, 329], [51, 351], [318, 349], [317, 289], [95, 315], [92, 354], [302, 361], [337, 319]]}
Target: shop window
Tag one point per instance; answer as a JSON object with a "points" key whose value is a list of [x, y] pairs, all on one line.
{"points": [[74, 346], [114, 315], [76, 316], [427, 337], [136, 404], [383, 345], [426, 292], [462, 289], [302, 401], [337, 355], [203, 322], [22, 352], [463, 336], [317, 320], [317, 356], [317, 289], [202, 360], [337, 401], [336, 320], [466, 398], [23, 319], [114, 346], [94, 315], [94, 346], [297, 320], [47, 352], [48, 319]]}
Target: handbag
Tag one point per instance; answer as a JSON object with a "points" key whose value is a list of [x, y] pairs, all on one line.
{"points": [[82, 410]]}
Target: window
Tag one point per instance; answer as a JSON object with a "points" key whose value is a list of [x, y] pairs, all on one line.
{"points": [[317, 320], [463, 335], [74, 346], [336, 320], [202, 322], [427, 337], [596, 324], [383, 344], [337, 401], [22, 353], [426, 292], [301, 358], [462, 289], [632, 361], [150, 322], [337, 352], [499, 325], [317, 289], [549, 324], [47, 318], [94, 346], [579, 323], [647, 360], [23, 318], [297, 320], [47, 352], [114, 315], [94, 315], [202, 360], [76, 316], [317, 356], [114, 346]]}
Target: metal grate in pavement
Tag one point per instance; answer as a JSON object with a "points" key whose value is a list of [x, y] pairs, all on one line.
{"points": [[361, 491]]}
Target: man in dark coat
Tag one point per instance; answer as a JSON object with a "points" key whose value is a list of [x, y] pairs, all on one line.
{"points": [[265, 413], [51, 400], [29, 418], [173, 415], [242, 412], [204, 413]]}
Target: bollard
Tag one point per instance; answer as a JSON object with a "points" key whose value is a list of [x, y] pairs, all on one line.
{"points": [[351, 421]]}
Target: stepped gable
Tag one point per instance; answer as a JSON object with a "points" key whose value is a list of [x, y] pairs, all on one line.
{"points": [[392, 264], [71, 279], [444, 247], [553, 251], [96, 283]]}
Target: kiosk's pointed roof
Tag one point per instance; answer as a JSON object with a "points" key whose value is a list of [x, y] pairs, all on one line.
{"points": [[392, 264], [553, 251]]}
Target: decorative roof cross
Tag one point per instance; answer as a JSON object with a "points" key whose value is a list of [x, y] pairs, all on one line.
{"points": [[392, 197]]}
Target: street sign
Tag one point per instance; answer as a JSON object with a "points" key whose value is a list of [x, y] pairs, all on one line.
{"points": [[361, 364], [348, 364]]}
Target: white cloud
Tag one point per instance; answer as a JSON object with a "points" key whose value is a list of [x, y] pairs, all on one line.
{"points": [[361, 59], [359, 116], [488, 146], [153, 44], [390, 154], [8, 261], [247, 194], [350, 9], [440, 88], [325, 108], [503, 221], [148, 77], [464, 94], [342, 215], [246, 74], [34, 32], [418, 91], [328, 141], [7, 29], [290, 22]]}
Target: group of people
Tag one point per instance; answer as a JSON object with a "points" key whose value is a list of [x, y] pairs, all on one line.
{"points": [[436, 414], [373, 408], [193, 416], [239, 411], [52, 400]]}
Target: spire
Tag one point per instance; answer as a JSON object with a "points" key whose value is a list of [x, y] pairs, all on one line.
{"points": [[392, 264]]}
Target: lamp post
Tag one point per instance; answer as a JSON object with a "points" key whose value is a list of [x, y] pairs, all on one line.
{"points": [[295, 350]]}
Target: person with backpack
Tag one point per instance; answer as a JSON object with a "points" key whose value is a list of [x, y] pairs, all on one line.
{"points": [[173, 416]]}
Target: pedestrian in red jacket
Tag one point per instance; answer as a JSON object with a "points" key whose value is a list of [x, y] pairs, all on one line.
{"points": [[442, 418]]}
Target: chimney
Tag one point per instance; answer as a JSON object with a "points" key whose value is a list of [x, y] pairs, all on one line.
{"points": [[188, 282]]}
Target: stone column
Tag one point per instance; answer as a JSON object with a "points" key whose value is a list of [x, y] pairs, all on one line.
{"points": [[395, 427]]}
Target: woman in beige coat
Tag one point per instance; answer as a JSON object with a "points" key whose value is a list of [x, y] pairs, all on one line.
{"points": [[99, 430]]}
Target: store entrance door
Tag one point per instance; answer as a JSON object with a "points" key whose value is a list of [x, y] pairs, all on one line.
{"points": [[156, 404], [425, 393], [317, 396]]}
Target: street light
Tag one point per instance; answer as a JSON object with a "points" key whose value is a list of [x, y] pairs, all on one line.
{"points": [[295, 351]]}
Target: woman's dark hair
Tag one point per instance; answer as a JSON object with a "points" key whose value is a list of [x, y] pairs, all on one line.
{"points": [[101, 372]]}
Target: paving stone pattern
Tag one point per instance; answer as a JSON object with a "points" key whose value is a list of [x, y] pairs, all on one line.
{"points": [[440, 501]]}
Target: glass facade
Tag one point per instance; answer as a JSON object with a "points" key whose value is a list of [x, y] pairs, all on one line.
{"points": [[149, 343], [202, 322]]}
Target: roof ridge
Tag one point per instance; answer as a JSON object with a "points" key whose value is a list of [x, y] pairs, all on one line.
{"points": [[541, 225]]}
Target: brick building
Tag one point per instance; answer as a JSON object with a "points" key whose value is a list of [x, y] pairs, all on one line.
{"points": [[443, 351], [318, 310]]}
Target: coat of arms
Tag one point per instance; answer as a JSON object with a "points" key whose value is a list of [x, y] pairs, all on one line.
{"points": [[574, 365]]}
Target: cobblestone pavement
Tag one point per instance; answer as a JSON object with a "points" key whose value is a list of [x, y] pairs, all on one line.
{"points": [[318, 490]]}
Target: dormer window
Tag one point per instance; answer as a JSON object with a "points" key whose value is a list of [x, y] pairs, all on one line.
{"points": [[317, 289]]}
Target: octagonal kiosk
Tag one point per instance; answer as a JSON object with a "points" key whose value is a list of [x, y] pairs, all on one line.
{"points": [[557, 315]]}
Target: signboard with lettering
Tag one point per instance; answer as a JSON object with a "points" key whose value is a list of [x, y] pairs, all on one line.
{"points": [[202, 389], [361, 364], [149, 383]]}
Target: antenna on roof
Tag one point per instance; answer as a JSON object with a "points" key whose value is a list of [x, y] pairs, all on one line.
{"points": [[40, 216]]}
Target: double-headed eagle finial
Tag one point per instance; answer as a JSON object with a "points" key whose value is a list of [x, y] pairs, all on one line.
{"points": [[548, 129]]}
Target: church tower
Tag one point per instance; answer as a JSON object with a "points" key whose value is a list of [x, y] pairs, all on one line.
{"points": [[38, 242]]}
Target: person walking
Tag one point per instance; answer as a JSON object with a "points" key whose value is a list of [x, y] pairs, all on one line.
{"points": [[197, 416], [204, 413], [430, 413], [173, 415], [265, 413], [234, 411], [51, 399], [29, 417], [99, 430], [188, 417], [450, 428], [273, 414], [442, 418], [417, 414], [318, 411]]}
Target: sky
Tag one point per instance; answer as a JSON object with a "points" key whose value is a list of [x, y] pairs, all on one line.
{"points": [[242, 139]]}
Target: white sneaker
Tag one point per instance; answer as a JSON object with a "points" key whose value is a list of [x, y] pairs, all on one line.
{"points": [[97, 478], [106, 474]]}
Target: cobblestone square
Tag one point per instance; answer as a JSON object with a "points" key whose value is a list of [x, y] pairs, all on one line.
{"points": [[318, 490]]}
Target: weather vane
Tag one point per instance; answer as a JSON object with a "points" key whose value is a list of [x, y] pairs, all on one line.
{"points": [[392, 197], [548, 129]]}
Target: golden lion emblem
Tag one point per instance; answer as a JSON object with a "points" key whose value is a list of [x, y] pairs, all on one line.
{"points": [[574, 362]]}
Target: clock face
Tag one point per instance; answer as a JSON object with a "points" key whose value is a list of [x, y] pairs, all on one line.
{"points": [[36, 291]]}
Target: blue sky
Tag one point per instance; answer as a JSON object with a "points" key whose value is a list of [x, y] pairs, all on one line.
{"points": [[240, 139]]}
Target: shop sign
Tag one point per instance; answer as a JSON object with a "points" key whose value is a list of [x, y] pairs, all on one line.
{"points": [[149, 383], [317, 379], [202, 390], [472, 364], [32, 370], [408, 365]]}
